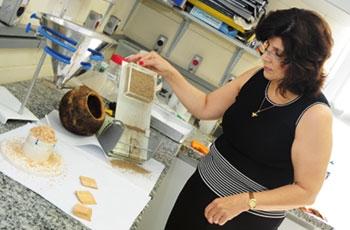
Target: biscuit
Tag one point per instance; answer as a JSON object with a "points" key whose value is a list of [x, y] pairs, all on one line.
{"points": [[85, 197], [88, 182], [82, 211]]}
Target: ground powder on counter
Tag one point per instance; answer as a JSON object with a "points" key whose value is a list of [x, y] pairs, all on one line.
{"points": [[12, 151], [129, 166]]}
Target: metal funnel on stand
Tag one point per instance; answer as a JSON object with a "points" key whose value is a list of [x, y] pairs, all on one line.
{"points": [[71, 46]]}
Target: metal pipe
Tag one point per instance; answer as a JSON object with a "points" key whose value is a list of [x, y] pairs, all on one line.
{"points": [[64, 9], [37, 71], [179, 33], [130, 13], [233, 62], [111, 4]]}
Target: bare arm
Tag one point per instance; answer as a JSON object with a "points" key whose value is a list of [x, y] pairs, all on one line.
{"points": [[311, 152], [199, 104]]}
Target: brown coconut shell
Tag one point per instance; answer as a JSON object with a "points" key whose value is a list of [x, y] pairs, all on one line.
{"points": [[82, 111]]}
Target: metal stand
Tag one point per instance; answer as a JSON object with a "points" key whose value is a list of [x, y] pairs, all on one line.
{"points": [[9, 106], [37, 71]]}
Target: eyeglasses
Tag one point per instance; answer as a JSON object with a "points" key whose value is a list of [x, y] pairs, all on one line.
{"points": [[276, 55]]}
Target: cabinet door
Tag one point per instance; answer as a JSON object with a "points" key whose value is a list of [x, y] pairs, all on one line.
{"points": [[156, 215], [295, 223]]}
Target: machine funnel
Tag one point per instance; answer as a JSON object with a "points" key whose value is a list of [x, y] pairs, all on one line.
{"points": [[71, 46]]}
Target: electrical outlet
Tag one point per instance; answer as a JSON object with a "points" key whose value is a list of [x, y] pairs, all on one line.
{"points": [[194, 64], [11, 11], [93, 20], [160, 43], [111, 25]]}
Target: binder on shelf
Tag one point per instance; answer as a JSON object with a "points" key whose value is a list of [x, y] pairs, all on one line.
{"points": [[205, 17], [214, 22], [220, 16], [238, 14]]}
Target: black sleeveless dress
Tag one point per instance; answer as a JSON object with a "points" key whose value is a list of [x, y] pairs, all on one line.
{"points": [[252, 154]]}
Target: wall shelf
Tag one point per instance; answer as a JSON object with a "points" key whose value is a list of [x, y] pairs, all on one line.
{"points": [[16, 37], [187, 19], [190, 18]]}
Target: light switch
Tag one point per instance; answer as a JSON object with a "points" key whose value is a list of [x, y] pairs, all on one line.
{"points": [[194, 64], [160, 43]]}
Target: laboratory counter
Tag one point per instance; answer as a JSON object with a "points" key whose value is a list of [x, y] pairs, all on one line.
{"points": [[22, 208]]}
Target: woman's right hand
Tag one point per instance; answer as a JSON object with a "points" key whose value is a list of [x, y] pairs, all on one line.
{"points": [[154, 62]]}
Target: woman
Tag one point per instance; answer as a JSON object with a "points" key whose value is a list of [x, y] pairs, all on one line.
{"points": [[277, 130]]}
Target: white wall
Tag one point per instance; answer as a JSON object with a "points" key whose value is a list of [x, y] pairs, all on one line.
{"points": [[331, 202], [20, 64], [152, 19]]}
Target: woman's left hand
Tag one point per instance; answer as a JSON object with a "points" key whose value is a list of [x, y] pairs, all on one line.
{"points": [[221, 210]]}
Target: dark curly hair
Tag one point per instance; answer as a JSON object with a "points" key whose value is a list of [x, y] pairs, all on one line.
{"points": [[307, 41]]}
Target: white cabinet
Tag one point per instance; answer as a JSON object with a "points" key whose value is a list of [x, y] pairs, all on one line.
{"points": [[292, 222], [156, 215]]}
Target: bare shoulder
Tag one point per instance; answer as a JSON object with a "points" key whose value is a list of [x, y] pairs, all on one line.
{"points": [[318, 112], [316, 118]]}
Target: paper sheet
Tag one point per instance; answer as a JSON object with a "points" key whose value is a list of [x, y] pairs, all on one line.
{"points": [[91, 145], [119, 202], [10, 106]]}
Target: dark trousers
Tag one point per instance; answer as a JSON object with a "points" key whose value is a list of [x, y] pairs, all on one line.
{"points": [[188, 211]]}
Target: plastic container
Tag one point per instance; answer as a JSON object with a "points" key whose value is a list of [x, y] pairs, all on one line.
{"points": [[330, 169], [113, 70], [112, 73], [207, 126], [104, 77], [95, 78]]}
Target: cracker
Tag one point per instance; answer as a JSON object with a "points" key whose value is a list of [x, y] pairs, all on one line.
{"points": [[85, 197], [82, 211], [88, 182]]}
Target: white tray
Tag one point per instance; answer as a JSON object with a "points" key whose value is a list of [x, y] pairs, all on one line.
{"points": [[9, 107]]}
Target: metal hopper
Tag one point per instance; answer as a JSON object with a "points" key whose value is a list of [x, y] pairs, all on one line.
{"points": [[71, 46]]}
